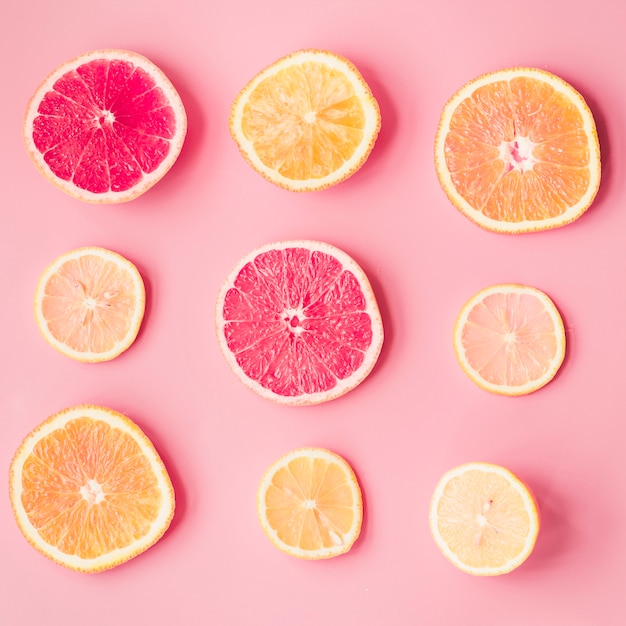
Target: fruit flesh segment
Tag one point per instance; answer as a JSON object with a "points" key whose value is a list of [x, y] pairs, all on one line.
{"points": [[88, 489], [89, 304], [483, 520], [510, 339], [310, 505], [296, 321], [305, 121], [104, 125], [517, 150]]}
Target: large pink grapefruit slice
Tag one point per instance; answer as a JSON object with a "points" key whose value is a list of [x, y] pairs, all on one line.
{"points": [[106, 126], [298, 322]]}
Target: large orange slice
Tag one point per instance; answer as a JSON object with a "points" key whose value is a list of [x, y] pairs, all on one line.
{"points": [[484, 519], [89, 490], [89, 304], [517, 151], [509, 339], [298, 322], [309, 504], [306, 122], [105, 126]]}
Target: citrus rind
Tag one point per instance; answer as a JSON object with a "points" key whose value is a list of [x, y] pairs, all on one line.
{"points": [[352, 164], [530, 504], [510, 390], [149, 179], [346, 540], [120, 555], [527, 225], [134, 323], [342, 386]]}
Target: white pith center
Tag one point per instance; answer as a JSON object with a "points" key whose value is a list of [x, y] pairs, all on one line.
{"points": [[510, 338], [310, 117], [293, 320], [92, 491], [518, 154], [309, 504], [105, 118], [482, 522]]}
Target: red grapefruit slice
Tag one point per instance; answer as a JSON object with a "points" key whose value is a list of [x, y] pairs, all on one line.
{"points": [[106, 126], [298, 322]]}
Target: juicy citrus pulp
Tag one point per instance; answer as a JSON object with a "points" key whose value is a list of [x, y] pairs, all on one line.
{"points": [[509, 339], [106, 126], [89, 490], [298, 323], [89, 304], [484, 519], [517, 150], [309, 504], [307, 121]]}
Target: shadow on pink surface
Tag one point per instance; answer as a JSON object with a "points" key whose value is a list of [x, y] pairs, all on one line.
{"points": [[555, 534]]}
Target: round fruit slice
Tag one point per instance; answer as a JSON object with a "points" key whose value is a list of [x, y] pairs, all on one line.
{"points": [[309, 504], [510, 339], [484, 519], [89, 490], [306, 122], [298, 322], [517, 151], [106, 126], [89, 304]]}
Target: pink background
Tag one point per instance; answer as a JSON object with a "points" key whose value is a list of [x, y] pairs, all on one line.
{"points": [[417, 415]]}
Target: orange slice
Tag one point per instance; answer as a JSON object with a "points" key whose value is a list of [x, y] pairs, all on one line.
{"points": [[309, 504], [510, 339], [89, 490], [298, 323], [89, 304], [105, 126], [306, 122], [484, 519], [517, 151]]}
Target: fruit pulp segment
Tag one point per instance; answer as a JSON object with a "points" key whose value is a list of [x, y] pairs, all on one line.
{"points": [[104, 125], [310, 504], [483, 519], [67, 467], [510, 339], [297, 321], [89, 304], [305, 121], [518, 150]]}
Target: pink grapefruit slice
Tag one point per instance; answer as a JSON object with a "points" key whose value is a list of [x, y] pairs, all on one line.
{"points": [[106, 126], [298, 322]]}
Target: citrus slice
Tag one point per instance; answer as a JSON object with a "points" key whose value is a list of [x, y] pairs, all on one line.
{"points": [[88, 489], [298, 322], [106, 126], [89, 304], [484, 519], [306, 122], [309, 504], [510, 339], [517, 151]]}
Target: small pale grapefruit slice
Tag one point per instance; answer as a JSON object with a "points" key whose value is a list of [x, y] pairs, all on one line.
{"points": [[306, 122], [484, 519], [298, 322], [89, 490], [89, 304], [509, 339], [309, 504], [517, 151], [105, 126]]}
